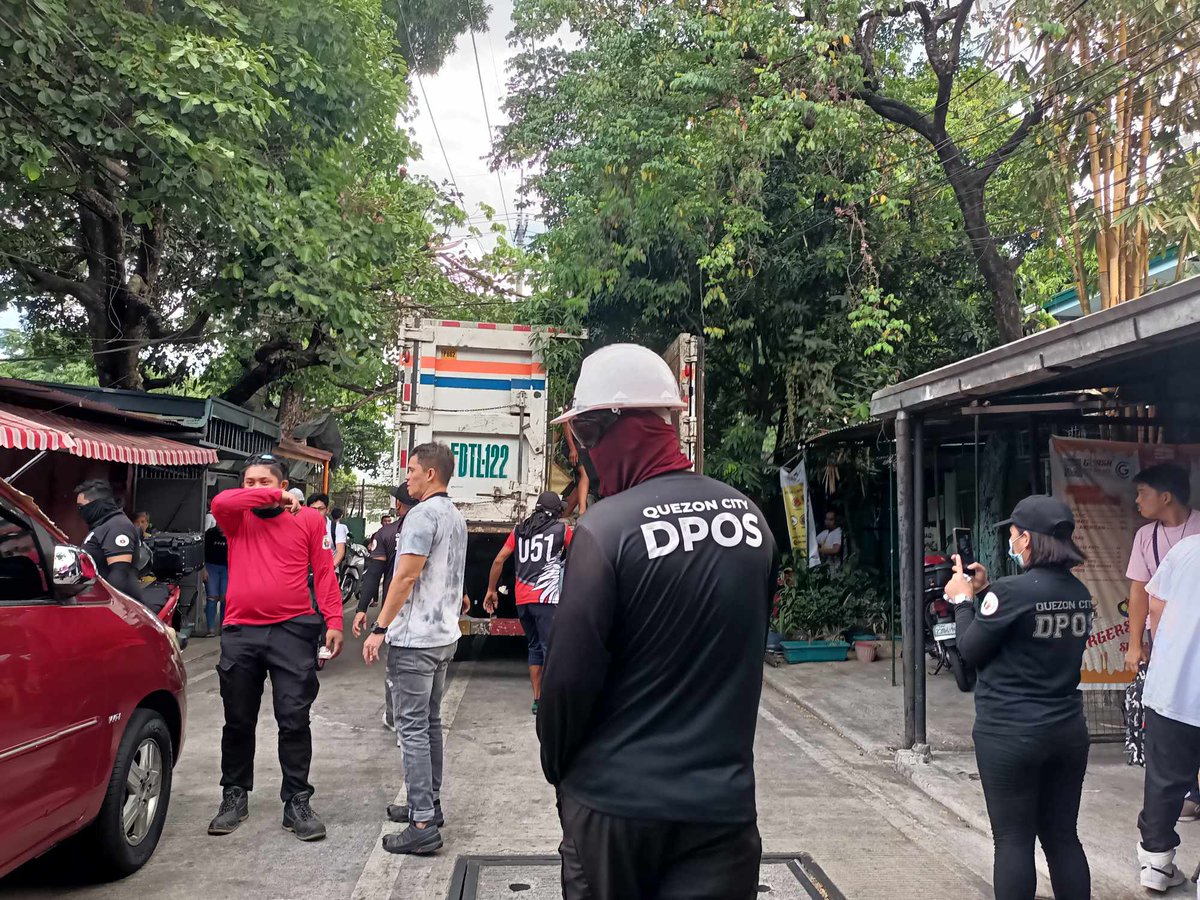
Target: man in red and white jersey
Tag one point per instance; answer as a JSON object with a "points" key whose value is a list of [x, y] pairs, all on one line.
{"points": [[540, 543]]}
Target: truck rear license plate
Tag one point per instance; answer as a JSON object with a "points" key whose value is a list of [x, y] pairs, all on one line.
{"points": [[946, 631]]}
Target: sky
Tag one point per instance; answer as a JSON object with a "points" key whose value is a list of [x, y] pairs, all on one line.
{"points": [[456, 105]]}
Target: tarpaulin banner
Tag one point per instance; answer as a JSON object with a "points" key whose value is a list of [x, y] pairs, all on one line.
{"points": [[1096, 479], [796, 504]]}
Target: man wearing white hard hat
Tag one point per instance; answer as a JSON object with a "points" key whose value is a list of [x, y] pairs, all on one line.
{"points": [[651, 687]]}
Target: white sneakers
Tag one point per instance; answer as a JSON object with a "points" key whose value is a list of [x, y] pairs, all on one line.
{"points": [[1159, 872]]}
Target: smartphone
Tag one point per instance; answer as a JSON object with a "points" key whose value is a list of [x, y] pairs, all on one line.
{"points": [[964, 548]]}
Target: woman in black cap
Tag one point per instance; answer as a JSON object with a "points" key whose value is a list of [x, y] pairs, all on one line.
{"points": [[540, 543], [1026, 635]]}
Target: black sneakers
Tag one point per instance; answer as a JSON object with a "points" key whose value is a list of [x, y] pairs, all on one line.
{"points": [[399, 813], [414, 840], [299, 818], [235, 809]]}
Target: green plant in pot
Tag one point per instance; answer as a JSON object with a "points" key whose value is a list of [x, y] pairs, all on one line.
{"points": [[808, 609]]}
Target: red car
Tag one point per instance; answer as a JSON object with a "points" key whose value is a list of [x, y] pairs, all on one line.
{"points": [[92, 704]]}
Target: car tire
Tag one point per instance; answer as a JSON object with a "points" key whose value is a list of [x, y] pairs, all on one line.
{"points": [[118, 848]]}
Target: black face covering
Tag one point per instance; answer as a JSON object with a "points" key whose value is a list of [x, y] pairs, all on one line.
{"points": [[98, 510], [268, 513]]}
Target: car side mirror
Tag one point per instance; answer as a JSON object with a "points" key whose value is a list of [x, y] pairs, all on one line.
{"points": [[73, 570]]}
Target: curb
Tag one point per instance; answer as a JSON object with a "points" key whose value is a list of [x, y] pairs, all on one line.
{"points": [[774, 681], [188, 659], [920, 774]]}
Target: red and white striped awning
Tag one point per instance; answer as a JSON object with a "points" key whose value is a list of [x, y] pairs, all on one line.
{"points": [[34, 429], [19, 433]]}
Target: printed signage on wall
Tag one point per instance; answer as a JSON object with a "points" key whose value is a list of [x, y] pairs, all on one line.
{"points": [[1096, 479], [796, 505]]}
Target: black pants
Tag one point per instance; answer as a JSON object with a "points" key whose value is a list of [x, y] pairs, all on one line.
{"points": [[613, 858], [1172, 759], [288, 653], [1032, 782]]}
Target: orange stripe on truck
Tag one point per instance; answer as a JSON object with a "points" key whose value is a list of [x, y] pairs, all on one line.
{"points": [[479, 367]]}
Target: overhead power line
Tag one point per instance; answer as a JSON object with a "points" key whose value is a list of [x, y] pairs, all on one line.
{"points": [[487, 118]]}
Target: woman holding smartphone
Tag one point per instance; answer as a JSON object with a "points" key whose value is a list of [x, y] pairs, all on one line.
{"points": [[1026, 635]]}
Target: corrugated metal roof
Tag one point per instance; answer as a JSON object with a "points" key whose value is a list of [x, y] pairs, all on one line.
{"points": [[1125, 332]]}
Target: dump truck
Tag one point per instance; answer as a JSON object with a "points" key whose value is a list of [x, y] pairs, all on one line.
{"points": [[480, 388]]}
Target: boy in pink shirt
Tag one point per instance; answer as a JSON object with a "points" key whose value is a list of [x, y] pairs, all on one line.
{"points": [[1163, 494]]}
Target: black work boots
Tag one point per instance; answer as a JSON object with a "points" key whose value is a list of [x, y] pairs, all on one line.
{"points": [[299, 818], [235, 809]]}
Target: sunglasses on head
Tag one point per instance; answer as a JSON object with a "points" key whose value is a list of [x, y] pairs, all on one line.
{"points": [[590, 427]]}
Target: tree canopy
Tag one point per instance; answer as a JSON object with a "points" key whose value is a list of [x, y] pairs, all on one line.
{"points": [[837, 197], [220, 177]]}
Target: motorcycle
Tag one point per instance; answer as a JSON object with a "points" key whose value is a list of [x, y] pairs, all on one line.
{"points": [[941, 632], [354, 566], [168, 557]]}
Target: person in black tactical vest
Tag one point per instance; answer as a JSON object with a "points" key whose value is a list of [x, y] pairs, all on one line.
{"points": [[113, 541]]}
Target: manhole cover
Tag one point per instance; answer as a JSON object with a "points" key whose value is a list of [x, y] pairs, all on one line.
{"points": [[782, 876]]}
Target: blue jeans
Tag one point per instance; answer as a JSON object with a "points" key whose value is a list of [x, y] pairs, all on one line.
{"points": [[214, 588], [418, 679]]}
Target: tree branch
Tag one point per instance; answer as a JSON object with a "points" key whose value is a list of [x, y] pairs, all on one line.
{"points": [[948, 67], [367, 392], [153, 383], [273, 360], [192, 332], [359, 404], [1032, 118], [902, 114], [486, 280], [52, 283]]}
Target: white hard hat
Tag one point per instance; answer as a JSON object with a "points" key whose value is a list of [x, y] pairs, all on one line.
{"points": [[624, 376]]}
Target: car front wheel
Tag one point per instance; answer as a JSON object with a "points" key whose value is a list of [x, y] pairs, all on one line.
{"points": [[131, 819]]}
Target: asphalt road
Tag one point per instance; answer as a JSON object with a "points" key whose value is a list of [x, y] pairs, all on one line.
{"points": [[874, 835]]}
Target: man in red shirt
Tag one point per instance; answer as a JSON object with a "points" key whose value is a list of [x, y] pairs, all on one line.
{"points": [[270, 628]]}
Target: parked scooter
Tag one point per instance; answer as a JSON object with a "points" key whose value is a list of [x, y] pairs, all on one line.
{"points": [[354, 566], [941, 632]]}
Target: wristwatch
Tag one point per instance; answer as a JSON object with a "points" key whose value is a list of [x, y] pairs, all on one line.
{"points": [[378, 629], [959, 599]]}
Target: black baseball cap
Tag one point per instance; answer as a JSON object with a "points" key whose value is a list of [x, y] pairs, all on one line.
{"points": [[1042, 514], [400, 493]]}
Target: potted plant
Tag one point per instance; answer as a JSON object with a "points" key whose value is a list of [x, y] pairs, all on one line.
{"points": [[811, 614]]}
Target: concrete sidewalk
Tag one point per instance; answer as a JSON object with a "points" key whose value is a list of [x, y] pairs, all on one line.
{"points": [[857, 701]]}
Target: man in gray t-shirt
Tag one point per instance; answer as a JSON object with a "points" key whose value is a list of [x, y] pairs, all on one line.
{"points": [[420, 621]]}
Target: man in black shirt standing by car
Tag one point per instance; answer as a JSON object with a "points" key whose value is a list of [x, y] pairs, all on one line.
{"points": [[113, 540], [651, 688]]}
